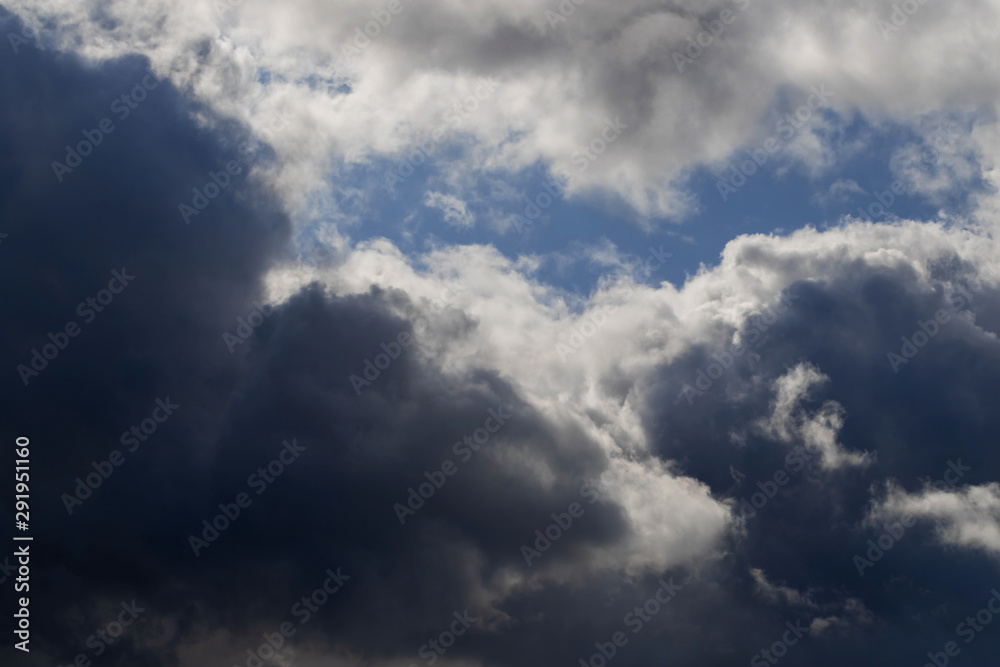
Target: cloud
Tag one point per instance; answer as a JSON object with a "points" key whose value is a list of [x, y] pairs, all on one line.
{"points": [[788, 422], [370, 99], [385, 365], [840, 190], [842, 615], [775, 593], [454, 209], [968, 517]]}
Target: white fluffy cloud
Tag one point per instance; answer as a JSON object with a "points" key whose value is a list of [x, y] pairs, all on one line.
{"points": [[790, 423], [967, 517], [354, 99], [480, 310], [453, 209]]}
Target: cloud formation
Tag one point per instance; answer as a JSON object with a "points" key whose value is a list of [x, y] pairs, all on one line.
{"points": [[490, 467], [370, 85]]}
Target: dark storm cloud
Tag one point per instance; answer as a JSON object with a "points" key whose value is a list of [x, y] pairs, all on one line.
{"points": [[916, 421], [158, 337], [161, 338], [356, 451]]}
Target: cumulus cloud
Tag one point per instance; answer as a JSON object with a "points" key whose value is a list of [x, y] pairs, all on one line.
{"points": [[777, 593], [371, 98], [839, 190], [967, 517], [385, 364], [453, 209], [788, 423], [841, 615]]}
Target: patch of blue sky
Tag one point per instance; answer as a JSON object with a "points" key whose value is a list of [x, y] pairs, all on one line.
{"points": [[571, 236]]}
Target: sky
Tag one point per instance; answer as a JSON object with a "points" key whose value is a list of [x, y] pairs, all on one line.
{"points": [[511, 332]]}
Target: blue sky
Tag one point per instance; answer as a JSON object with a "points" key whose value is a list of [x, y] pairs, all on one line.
{"points": [[458, 443], [782, 196]]}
